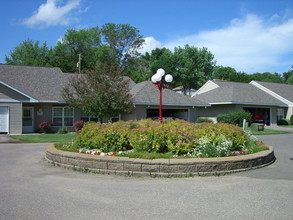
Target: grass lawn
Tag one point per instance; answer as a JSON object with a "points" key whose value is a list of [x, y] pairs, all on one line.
{"points": [[45, 138], [267, 132], [286, 126]]}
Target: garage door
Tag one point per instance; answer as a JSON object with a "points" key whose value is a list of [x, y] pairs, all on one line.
{"points": [[4, 119]]}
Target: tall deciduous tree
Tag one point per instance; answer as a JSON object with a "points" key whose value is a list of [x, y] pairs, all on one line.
{"points": [[100, 92], [30, 53], [75, 42], [194, 66], [124, 41]]}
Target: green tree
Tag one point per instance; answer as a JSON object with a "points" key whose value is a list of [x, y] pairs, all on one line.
{"points": [[193, 66], [100, 92], [290, 80], [30, 53], [146, 65], [75, 42], [267, 77], [225, 73], [123, 41], [288, 76]]}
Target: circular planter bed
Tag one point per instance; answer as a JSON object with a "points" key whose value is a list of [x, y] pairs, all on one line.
{"points": [[158, 167]]}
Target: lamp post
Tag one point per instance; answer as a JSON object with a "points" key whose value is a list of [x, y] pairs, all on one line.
{"points": [[157, 80]]}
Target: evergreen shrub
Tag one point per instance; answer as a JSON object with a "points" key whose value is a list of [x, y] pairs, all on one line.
{"points": [[235, 118]]}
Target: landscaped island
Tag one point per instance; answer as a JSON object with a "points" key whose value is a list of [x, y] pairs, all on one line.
{"points": [[172, 139]]}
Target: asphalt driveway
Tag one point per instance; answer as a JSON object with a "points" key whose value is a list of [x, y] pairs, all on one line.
{"points": [[30, 188]]}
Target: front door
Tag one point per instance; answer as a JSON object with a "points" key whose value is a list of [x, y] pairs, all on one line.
{"points": [[4, 119], [27, 119]]}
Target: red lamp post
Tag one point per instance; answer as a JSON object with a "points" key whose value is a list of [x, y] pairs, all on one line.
{"points": [[157, 80]]}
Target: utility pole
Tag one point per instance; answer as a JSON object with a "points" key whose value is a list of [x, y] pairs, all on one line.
{"points": [[79, 62]]}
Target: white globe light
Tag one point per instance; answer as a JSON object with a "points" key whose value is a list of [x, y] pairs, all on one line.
{"points": [[153, 79], [157, 77], [161, 72], [169, 78]]}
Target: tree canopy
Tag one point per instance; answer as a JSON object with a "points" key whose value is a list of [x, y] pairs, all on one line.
{"points": [[100, 92], [119, 44], [30, 53]]}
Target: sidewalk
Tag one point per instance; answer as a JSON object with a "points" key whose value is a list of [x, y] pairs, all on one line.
{"points": [[4, 138], [279, 128]]}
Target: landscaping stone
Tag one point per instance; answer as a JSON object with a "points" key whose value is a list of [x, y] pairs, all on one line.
{"points": [[161, 167]]}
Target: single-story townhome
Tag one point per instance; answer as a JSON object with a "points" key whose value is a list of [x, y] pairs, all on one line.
{"points": [[30, 95], [267, 101]]}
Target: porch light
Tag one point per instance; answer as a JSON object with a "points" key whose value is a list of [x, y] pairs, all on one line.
{"points": [[157, 80]]}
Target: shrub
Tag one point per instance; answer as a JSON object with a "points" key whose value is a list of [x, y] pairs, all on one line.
{"points": [[45, 126], [175, 136], [235, 118], [62, 130], [291, 120], [78, 125], [283, 122], [204, 120]]}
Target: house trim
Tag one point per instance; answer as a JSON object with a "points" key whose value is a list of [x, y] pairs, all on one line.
{"points": [[16, 90], [248, 103], [270, 92], [202, 89], [187, 105]]}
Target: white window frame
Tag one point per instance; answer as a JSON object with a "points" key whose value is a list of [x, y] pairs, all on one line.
{"points": [[62, 116]]}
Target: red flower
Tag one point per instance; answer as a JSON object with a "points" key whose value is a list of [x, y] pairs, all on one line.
{"points": [[200, 156]]}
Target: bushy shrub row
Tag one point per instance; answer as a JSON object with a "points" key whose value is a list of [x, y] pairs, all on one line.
{"points": [[235, 118], [283, 122], [175, 136], [204, 120]]}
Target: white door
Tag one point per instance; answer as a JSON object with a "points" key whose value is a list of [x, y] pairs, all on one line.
{"points": [[27, 119], [4, 119]]}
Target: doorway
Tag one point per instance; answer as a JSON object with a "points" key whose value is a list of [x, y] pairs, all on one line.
{"points": [[28, 120]]}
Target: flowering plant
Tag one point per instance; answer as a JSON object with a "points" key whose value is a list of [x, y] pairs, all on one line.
{"points": [[175, 136]]}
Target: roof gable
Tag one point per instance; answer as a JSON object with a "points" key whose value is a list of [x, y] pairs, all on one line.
{"points": [[43, 84], [146, 93], [283, 92], [237, 93], [10, 93]]}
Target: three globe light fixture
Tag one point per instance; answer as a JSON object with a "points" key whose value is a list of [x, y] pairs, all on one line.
{"points": [[158, 82]]}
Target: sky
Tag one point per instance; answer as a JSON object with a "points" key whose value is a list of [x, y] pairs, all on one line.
{"points": [[248, 35]]}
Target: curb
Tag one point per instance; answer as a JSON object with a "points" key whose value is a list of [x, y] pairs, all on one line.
{"points": [[158, 167]]}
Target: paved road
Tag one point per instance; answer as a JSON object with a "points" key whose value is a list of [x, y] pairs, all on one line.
{"points": [[32, 189]]}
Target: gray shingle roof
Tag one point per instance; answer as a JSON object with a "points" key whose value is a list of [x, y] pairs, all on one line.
{"points": [[284, 90], [146, 93], [41, 83], [237, 93]]}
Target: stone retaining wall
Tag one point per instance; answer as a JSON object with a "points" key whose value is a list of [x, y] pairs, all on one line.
{"points": [[161, 167]]}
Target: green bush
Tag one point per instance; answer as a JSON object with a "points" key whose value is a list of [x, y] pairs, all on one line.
{"points": [[62, 130], [291, 120], [175, 136], [204, 120], [235, 118], [283, 122]]}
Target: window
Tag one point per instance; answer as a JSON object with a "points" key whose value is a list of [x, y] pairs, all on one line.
{"points": [[62, 116], [87, 118], [280, 113]]}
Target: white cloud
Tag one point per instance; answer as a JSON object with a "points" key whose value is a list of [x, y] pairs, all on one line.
{"points": [[52, 13], [150, 43], [251, 44]]}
